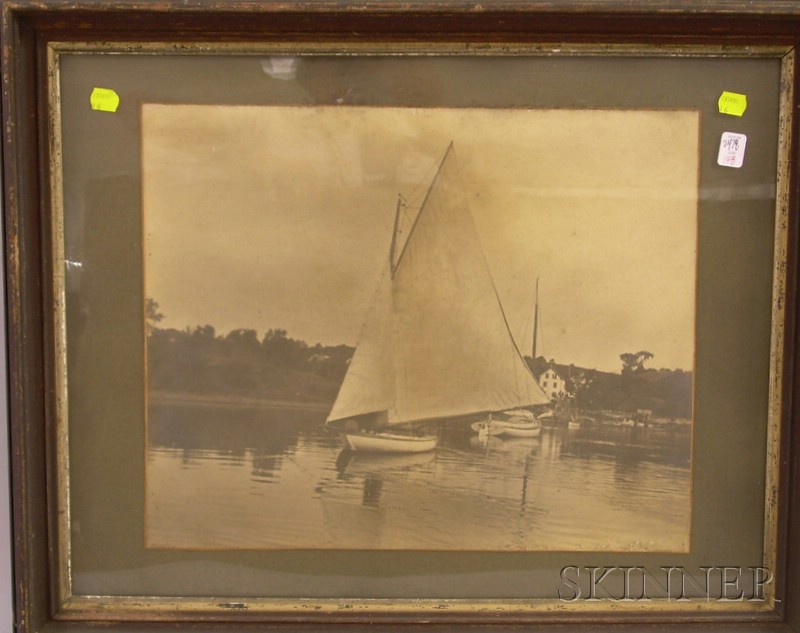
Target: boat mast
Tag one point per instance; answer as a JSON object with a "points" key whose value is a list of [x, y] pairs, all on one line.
{"points": [[535, 321], [393, 248]]}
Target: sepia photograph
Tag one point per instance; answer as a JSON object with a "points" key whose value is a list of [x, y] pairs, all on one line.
{"points": [[465, 329]]}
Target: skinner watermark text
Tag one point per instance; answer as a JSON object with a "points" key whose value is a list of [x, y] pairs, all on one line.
{"points": [[705, 583]]}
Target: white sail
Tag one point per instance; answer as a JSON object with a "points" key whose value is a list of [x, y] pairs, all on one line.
{"points": [[447, 349], [368, 386]]}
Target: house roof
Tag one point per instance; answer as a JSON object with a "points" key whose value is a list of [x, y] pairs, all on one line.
{"points": [[540, 366]]}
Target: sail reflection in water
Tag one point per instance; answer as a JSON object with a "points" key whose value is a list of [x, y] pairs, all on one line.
{"points": [[248, 479]]}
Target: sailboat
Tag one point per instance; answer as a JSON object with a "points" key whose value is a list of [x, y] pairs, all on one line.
{"points": [[435, 344]]}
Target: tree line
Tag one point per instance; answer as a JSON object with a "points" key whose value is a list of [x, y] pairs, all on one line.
{"points": [[665, 392], [275, 366]]}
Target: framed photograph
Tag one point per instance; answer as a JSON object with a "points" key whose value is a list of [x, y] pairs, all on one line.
{"points": [[369, 315]]}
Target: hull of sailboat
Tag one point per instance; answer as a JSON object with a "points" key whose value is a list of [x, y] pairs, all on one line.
{"points": [[389, 443]]}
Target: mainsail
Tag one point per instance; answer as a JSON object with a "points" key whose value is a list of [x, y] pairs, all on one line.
{"points": [[435, 343]]}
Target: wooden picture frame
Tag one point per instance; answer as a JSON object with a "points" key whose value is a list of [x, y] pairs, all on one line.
{"points": [[82, 559]]}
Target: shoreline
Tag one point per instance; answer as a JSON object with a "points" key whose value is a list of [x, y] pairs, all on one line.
{"points": [[231, 401]]}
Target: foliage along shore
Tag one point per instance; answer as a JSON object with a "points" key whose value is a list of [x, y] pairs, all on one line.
{"points": [[198, 362], [198, 366]]}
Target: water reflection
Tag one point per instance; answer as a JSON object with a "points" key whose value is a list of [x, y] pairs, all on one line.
{"points": [[372, 470], [205, 465], [354, 464], [266, 467], [373, 484]]}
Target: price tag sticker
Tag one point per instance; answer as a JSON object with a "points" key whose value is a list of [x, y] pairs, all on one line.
{"points": [[731, 149], [104, 99], [732, 103]]}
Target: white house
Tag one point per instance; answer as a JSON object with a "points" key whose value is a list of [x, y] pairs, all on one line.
{"points": [[552, 384]]}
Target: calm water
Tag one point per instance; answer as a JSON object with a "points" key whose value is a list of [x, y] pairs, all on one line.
{"points": [[230, 478]]}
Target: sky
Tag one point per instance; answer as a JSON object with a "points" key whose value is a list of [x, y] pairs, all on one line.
{"points": [[281, 217]]}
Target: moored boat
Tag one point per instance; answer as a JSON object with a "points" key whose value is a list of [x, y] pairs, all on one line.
{"points": [[521, 429], [513, 424]]}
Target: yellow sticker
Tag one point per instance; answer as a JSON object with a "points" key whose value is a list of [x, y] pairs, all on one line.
{"points": [[732, 103], [104, 99]]}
